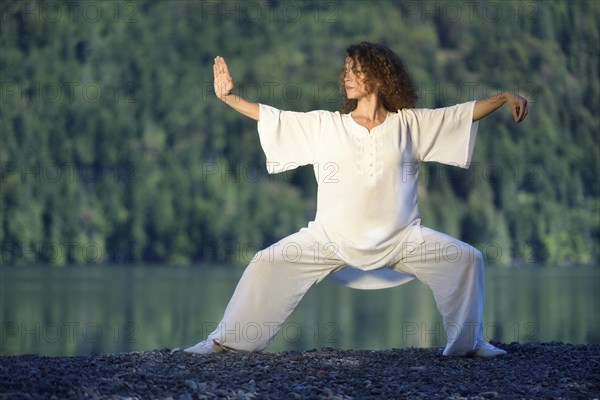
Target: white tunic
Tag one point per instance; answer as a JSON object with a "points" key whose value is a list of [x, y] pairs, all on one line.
{"points": [[367, 181]]}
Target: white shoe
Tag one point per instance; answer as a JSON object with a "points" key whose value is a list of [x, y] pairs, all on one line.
{"points": [[205, 347], [486, 350]]}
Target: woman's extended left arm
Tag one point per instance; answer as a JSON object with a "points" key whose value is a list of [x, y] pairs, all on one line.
{"points": [[517, 104]]}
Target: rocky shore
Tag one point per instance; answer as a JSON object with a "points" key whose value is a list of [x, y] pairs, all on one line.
{"points": [[529, 371]]}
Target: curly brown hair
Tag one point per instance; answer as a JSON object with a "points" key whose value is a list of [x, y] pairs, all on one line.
{"points": [[380, 65]]}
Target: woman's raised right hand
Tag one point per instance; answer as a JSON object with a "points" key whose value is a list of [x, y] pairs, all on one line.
{"points": [[223, 81]]}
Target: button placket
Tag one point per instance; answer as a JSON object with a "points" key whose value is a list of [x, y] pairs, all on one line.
{"points": [[378, 169], [372, 159], [359, 148]]}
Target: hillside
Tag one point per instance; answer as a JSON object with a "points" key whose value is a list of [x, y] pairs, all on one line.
{"points": [[113, 148]]}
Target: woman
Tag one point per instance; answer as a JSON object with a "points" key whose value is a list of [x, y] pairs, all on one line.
{"points": [[367, 232]]}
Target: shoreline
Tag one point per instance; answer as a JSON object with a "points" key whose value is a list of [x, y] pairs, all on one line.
{"points": [[532, 370]]}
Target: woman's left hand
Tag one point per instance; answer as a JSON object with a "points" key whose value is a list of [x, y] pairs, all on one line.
{"points": [[517, 104]]}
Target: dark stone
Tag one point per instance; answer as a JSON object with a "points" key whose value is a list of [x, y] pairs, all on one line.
{"points": [[540, 370]]}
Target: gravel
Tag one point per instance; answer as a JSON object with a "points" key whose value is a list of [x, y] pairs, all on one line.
{"points": [[532, 370]]}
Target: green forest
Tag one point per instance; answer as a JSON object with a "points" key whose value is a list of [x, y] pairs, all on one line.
{"points": [[114, 149]]}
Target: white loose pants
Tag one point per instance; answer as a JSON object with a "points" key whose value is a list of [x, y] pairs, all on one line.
{"points": [[278, 277]]}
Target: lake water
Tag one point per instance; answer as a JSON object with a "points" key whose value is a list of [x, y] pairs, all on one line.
{"points": [[71, 311]]}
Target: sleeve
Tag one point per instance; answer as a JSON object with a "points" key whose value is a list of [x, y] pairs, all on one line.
{"points": [[288, 139], [445, 135]]}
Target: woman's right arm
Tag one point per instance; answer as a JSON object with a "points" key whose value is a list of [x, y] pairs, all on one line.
{"points": [[224, 84]]}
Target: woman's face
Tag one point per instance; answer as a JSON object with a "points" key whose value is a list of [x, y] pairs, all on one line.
{"points": [[354, 80]]}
